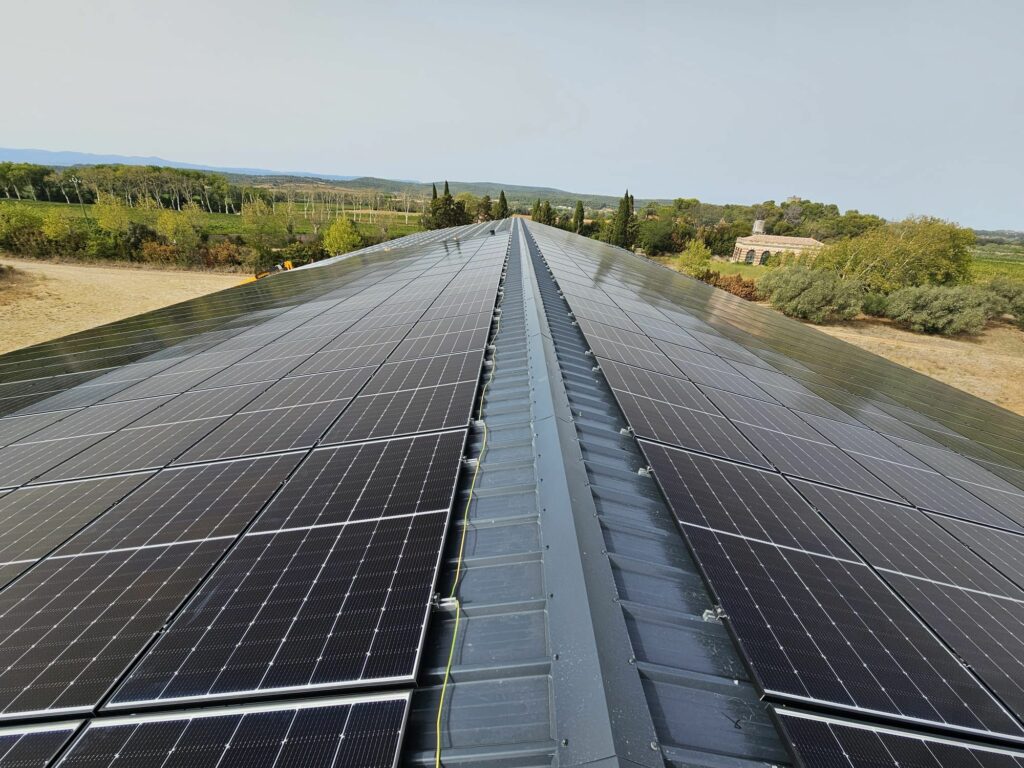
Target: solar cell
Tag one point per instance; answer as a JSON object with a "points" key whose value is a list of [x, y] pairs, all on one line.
{"points": [[370, 336], [821, 629], [329, 733], [21, 462], [300, 609], [735, 499], [455, 324], [821, 742], [760, 414], [404, 412], [33, 746], [203, 404]]}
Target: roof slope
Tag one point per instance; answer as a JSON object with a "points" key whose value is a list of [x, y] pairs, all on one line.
{"points": [[502, 496]]}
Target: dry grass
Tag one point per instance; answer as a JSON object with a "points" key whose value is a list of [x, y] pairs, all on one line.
{"points": [[44, 300], [989, 366]]}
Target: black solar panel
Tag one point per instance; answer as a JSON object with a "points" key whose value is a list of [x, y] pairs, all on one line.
{"points": [[824, 629], [36, 519], [686, 428], [637, 381], [821, 742], [256, 432], [425, 372], [33, 747], [404, 412], [298, 610], [333, 733]]}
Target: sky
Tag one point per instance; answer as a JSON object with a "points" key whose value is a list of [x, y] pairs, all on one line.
{"points": [[895, 107]]}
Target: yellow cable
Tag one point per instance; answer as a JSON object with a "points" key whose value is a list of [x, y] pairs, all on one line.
{"points": [[462, 549]]}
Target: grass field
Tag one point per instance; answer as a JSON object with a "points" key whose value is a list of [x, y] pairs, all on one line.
{"points": [[368, 223], [992, 260]]}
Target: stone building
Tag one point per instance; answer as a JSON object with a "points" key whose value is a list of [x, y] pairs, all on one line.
{"points": [[756, 247]]}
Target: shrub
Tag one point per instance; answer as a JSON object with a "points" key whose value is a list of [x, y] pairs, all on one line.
{"points": [[302, 253], [946, 310], [875, 304], [157, 253], [21, 230], [695, 259], [817, 295], [738, 286], [1011, 292], [228, 254]]}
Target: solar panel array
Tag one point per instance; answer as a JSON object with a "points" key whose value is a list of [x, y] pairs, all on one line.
{"points": [[240, 497], [859, 525]]}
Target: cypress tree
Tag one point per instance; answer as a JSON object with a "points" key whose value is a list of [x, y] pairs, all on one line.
{"points": [[535, 212], [446, 192], [577, 217], [433, 193], [502, 211]]}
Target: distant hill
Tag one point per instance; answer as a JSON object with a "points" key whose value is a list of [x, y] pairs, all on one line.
{"points": [[515, 193], [46, 157]]}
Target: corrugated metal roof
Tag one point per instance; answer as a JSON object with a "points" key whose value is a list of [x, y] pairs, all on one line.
{"points": [[671, 686]]}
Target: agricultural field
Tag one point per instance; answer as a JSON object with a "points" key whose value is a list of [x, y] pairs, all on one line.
{"points": [[995, 259]]}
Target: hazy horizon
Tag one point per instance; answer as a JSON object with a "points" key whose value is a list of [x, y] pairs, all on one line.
{"points": [[914, 109]]}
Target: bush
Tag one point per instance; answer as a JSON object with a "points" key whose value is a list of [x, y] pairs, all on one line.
{"points": [[946, 310], [302, 253], [1011, 292], [228, 254], [875, 304], [738, 286], [21, 231], [695, 259], [817, 295]]}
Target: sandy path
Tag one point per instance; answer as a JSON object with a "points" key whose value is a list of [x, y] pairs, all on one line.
{"points": [[989, 366], [48, 300]]}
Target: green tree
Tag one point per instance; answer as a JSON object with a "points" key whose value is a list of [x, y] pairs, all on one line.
{"points": [[695, 259], [915, 251], [546, 214], [182, 230], [578, 218], [622, 230], [341, 237], [535, 211], [502, 210], [485, 209], [433, 191], [263, 231], [111, 214]]}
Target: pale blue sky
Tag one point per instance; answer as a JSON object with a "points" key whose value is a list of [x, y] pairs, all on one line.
{"points": [[894, 107]]}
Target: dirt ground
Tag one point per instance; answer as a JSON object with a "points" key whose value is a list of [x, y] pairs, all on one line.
{"points": [[989, 366], [45, 300]]}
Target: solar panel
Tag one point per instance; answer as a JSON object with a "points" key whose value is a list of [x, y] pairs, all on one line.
{"points": [[905, 540], [425, 372], [1000, 549], [686, 428], [441, 344], [315, 388], [256, 432], [209, 501], [326, 733], [300, 609], [823, 629], [33, 746], [368, 480], [820, 742], [35, 519], [404, 412], [134, 449], [727, 497], [669, 389]]}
